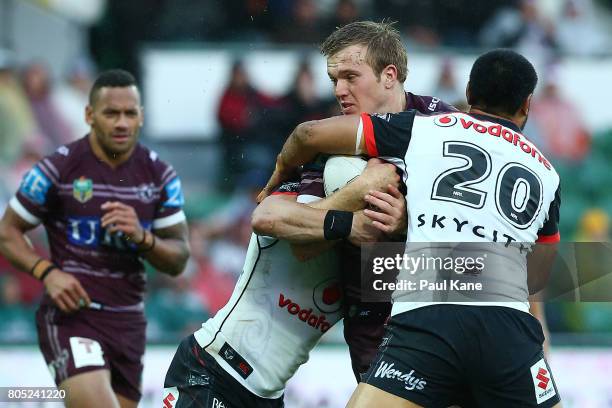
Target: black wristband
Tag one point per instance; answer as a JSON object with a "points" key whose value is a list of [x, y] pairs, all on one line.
{"points": [[35, 265], [46, 272], [337, 224], [144, 237], [150, 248]]}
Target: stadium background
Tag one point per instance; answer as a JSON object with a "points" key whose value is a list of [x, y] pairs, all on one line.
{"points": [[223, 85]]}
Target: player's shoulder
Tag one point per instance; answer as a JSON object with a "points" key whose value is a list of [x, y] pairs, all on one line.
{"points": [[427, 105], [63, 156], [161, 169]]}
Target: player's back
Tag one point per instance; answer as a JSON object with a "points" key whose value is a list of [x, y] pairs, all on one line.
{"points": [[470, 179], [473, 179], [277, 313]]}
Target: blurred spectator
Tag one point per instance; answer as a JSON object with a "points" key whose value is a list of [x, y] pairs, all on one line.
{"points": [[37, 85], [577, 30], [72, 96], [346, 11], [523, 28], [226, 233], [175, 309], [446, 88], [302, 103], [17, 123], [304, 25], [241, 114], [559, 125], [594, 226]]}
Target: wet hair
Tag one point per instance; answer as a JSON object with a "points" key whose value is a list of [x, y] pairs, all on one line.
{"points": [[384, 44], [114, 78], [501, 80]]}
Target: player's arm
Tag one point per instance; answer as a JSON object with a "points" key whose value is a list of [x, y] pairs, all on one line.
{"points": [[282, 217], [337, 135], [167, 249], [63, 288]]}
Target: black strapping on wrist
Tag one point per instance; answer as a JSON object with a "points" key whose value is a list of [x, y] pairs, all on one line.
{"points": [[337, 224], [150, 247], [46, 272]]}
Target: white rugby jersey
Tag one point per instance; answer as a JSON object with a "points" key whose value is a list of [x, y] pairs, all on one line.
{"points": [[277, 313], [470, 178]]}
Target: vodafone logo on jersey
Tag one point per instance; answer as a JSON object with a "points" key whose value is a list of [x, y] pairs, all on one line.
{"points": [[327, 296], [315, 321], [445, 121]]}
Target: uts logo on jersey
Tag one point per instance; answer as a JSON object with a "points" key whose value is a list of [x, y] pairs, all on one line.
{"points": [[445, 121], [327, 296], [82, 189]]}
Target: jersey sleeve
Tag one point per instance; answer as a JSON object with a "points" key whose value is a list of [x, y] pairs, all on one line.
{"points": [[549, 233], [169, 212], [287, 188], [311, 181], [387, 136], [37, 190]]}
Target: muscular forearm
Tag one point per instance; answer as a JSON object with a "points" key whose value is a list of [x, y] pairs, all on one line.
{"points": [[333, 136], [348, 198], [168, 255], [15, 248], [288, 220]]}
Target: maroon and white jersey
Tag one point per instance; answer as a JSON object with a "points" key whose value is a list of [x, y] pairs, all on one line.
{"points": [[65, 192], [470, 178]]}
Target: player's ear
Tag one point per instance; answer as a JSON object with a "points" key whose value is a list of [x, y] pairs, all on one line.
{"points": [[468, 94], [389, 75], [141, 116], [89, 115], [525, 106]]}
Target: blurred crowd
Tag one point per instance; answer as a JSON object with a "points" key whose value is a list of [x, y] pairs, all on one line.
{"points": [[38, 113]]}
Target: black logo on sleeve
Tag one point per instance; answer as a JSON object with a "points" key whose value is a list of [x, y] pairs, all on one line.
{"points": [[235, 360]]}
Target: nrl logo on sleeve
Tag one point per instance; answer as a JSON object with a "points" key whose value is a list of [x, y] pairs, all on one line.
{"points": [[82, 189]]}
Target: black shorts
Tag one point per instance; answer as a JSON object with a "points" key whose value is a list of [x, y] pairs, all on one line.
{"points": [[472, 356], [195, 379], [364, 327]]}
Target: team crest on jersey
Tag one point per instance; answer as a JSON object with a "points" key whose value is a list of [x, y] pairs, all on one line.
{"points": [[82, 189], [145, 193], [327, 296], [445, 120]]}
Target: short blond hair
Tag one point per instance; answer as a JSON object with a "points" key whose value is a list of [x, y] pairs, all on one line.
{"points": [[384, 44]]}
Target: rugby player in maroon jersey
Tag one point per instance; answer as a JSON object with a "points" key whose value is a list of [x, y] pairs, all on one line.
{"points": [[367, 64], [107, 204]]}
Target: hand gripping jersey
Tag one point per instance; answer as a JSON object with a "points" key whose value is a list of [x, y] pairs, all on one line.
{"points": [[470, 178], [277, 313], [65, 191]]}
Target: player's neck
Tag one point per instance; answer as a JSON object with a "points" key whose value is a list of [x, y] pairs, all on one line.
{"points": [[479, 111], [395, 104], [112, 159]]}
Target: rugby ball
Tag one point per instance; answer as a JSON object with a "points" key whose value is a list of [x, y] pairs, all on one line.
{"points": [[341, 170]]}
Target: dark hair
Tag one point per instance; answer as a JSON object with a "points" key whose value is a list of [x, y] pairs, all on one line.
{"points": [[501, 80], [114, 78], [384, 44]]}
